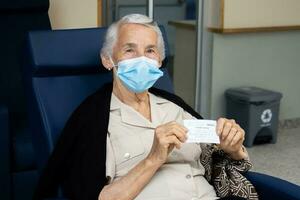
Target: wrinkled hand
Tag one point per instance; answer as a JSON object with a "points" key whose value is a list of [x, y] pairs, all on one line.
{"points": [[166, 137], [232, 137]]}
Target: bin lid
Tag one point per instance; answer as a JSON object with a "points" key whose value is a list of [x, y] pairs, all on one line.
{"points": [[252, 94]]}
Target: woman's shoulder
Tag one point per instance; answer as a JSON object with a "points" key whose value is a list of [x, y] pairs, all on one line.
{"points": [[99, 100], [176, 100]]}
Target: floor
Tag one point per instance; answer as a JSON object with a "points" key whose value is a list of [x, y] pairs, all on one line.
{"points": [[281, 159]]}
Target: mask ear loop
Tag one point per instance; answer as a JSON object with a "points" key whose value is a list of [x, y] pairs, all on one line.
{"points": [[112, 63]]}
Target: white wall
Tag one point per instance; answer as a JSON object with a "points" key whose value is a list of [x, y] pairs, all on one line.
{"points": [[267, 60], [261, 13], [237, 14], [66, 14]]}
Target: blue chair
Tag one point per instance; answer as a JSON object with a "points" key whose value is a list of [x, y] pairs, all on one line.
{"points": [[18, 173], [4, 153], [62, 68]]}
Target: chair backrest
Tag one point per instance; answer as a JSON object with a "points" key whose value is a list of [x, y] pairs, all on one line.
{"points": [[17, 18], [61, 68]]}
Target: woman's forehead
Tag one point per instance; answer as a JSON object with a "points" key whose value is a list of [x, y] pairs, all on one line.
{"points": [[136, 34]]}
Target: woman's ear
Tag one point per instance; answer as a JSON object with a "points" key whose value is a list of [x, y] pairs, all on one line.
{"points": [[160, 63], [107, 62]]}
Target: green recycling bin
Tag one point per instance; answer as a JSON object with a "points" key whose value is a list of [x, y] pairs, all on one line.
{"points": [[256, 110]]}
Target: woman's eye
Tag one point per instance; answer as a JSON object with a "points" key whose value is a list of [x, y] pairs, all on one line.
{"points": [[150, 51], [129, 50]]}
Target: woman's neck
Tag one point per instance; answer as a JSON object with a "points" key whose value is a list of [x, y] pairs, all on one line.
{"points": [[138, 101]]}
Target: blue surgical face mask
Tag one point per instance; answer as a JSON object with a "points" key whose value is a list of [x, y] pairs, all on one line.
{"points": [[138, 74]]}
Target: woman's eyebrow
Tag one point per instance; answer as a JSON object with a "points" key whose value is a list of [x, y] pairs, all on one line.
{"points": [[151, 46], [132, 45]]}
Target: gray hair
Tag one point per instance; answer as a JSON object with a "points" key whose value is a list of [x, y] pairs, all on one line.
{"points": [[112, 33]]}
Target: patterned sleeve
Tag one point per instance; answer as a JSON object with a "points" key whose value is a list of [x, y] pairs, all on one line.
{"points": [[226, 174]]}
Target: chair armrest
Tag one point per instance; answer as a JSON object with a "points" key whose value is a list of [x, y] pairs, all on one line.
{"points": [[269, 187], [4, 154]]}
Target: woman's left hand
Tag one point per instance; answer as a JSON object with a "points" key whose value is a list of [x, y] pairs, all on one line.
{"points": [[232, 137]]}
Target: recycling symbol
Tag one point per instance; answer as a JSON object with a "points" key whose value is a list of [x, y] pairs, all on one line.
{"points": [[266, 116]]}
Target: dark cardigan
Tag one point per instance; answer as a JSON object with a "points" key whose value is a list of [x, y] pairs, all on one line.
{"points": [[78, 160]]}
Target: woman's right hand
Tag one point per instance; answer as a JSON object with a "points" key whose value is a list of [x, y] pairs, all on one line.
{"points": [[166, 137]]}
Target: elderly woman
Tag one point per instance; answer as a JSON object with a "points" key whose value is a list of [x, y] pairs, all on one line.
{"points": [[127, 141]]}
